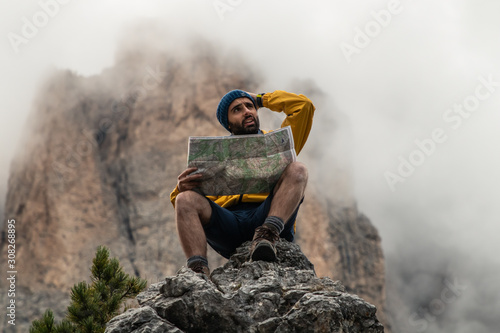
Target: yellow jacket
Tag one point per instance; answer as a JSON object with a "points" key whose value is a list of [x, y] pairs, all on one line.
{"points": [[299, 112]]}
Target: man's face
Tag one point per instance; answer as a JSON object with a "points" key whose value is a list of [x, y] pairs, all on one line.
{"points": [[242, 117]]}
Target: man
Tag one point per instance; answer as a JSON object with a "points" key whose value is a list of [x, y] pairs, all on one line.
{"points": [[225, 222]]}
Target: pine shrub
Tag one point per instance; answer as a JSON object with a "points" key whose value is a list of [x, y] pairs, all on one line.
{"points": [[93, 305]]}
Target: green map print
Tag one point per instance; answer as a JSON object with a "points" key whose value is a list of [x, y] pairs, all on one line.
{"points": [[241, 164]]}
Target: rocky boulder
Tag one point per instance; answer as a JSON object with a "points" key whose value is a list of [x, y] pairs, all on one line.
{"points": [[244, 296]]}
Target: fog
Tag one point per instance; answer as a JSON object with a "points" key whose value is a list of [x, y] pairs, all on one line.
{"points": [[418, 80]]}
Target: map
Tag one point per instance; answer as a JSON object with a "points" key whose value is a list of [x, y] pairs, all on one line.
{"points": [[241, 164]]}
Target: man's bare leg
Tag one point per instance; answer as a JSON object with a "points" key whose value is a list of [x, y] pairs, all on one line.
{"points": [[192, 211], [288, 193]]}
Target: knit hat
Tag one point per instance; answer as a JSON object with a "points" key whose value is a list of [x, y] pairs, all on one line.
{"points": [[224, 103]]}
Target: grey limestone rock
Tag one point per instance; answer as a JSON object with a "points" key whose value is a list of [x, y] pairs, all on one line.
{"points": [[244, 296], [141, 320]]}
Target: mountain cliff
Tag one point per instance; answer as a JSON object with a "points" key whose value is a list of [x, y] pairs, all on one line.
{"points": [[102, 153]]}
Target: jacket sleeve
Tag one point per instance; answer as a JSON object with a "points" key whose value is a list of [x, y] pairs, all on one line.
{"points": [[299, 112], [173, 195]]}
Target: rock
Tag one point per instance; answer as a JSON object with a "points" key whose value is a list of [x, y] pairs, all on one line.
{"points": [[243, 296], [142, 319]]}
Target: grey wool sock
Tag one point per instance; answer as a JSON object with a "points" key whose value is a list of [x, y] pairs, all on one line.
{"points": [[194, 259], [275, 222]]}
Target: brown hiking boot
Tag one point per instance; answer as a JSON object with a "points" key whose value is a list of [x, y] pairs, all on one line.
{"points": [[198, 267], [263, 247]]}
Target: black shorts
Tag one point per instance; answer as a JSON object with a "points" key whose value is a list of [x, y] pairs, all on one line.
{"points": [[230, 227]]}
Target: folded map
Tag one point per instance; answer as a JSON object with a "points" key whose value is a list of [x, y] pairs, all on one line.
{"points": [[241, 164]]}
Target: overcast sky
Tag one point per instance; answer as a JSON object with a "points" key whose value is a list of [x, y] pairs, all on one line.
{"points": [[419, 81]]}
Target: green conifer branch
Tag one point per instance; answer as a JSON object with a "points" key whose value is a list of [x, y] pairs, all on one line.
{"points": [[93, 305]]}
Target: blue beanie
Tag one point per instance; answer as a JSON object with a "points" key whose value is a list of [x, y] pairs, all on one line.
{"points": [[224, 103]]}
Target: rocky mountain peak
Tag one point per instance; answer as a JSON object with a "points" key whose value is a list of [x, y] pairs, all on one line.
{"points": [[244, 296], [102, 153]]}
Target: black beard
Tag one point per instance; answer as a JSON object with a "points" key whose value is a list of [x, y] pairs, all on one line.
{"points": [[239, 129]]}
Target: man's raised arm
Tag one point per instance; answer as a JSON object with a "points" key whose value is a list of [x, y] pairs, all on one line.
{"points": [[299, 112]]}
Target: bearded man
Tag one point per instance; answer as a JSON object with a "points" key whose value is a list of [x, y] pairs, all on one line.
{"points": [[226, 222]]}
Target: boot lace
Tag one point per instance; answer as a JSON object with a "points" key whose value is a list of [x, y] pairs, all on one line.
{"points": [[266, 233]]}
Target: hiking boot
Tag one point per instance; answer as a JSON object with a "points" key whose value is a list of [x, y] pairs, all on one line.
{"points": [[263, 243], [199, 267]]}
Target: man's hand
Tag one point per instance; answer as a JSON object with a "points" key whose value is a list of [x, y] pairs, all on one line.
{"points": [[186, 182], [254, 96]]}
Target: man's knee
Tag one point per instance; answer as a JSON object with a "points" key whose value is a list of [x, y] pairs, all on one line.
{"points": [[297, 171], [188, 200]]}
